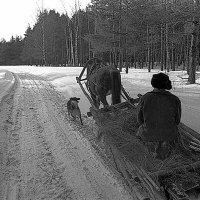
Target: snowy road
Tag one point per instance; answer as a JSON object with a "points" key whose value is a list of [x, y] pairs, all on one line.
{"points": [[42, 155]]}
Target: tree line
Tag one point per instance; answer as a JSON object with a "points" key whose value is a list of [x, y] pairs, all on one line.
{"points": [[124, 33]]}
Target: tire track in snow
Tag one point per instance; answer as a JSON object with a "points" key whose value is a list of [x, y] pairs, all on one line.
{"points": [[84, 181], [40, 176], [48, 131]]}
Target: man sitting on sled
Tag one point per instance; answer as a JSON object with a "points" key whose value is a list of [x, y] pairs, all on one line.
{"points": [[159, 113]]}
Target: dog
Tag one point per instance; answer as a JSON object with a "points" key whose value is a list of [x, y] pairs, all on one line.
{"points": [[73, 108]]}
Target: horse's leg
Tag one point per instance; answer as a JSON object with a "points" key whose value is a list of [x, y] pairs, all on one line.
{"points": [[94, 98], [92, 94], [103, 100], [102, 96], [98, 101]]}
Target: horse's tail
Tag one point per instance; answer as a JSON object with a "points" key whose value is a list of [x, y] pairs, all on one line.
{"points": [[115, 86]]}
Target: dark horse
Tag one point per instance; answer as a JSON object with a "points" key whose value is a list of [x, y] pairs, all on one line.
{"points": [[103, 80]]}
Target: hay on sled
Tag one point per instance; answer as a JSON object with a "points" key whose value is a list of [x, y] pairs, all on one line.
{"points": [[119, 128]]}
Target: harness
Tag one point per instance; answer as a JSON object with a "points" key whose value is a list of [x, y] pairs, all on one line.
{"points": [[95, 68]]}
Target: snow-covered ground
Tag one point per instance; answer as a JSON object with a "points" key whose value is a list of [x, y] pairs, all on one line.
{"points": [[42, 152], [136, 81]]}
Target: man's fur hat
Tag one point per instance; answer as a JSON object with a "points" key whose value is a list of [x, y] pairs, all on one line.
{"points": [[161, 81]]}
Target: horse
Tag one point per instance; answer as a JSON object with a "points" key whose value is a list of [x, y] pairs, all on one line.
{"points": [[73, 108], [103, 80]]}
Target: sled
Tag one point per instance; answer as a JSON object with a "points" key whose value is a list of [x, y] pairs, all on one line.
{"points": [[117, 130], [147, 178]]}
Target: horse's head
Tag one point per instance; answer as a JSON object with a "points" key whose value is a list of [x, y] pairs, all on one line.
{"points": [[92, 63]]}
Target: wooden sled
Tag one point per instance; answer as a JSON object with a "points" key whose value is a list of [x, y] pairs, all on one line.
{"points": [[117, 125], [175, 182]]}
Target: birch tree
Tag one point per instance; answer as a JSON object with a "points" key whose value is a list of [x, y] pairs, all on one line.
{"points": [[194, 42]]}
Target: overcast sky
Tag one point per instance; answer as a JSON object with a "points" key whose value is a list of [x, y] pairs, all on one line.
{"points": [[15, 15]]}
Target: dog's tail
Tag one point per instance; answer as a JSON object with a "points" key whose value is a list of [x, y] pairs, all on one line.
{"points": [[77, 112]]}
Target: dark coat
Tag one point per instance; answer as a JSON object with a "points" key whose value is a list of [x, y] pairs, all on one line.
{"points": [[159, 113]]}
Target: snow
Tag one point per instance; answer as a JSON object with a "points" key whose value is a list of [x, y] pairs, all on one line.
{"points": [[43, 154], [40, 138], [136, 81]]}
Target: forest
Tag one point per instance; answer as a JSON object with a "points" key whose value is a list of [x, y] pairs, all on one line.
{"points": [[124, 33]]}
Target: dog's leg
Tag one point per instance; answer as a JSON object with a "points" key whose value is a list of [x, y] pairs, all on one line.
{"points": [[74, 117], [69, 111], [81, 119]]}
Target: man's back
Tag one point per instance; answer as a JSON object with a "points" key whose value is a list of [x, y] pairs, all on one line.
{"points": [[160, 113]]}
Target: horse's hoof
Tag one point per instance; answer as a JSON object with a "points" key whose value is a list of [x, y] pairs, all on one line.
{"points": [[89, 114], [106, 108]]}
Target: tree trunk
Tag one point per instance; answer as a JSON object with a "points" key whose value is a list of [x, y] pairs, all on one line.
{"points": [[167, 48], [72, 48], [162, 50], [173, 60], [43, 41], [188, 54], [66, 47], [76, 46], [89, 45], [120, 38], [152, 52], [148, 51], [193, 49], [193, 54]]}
